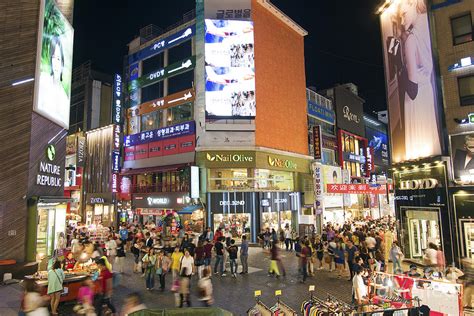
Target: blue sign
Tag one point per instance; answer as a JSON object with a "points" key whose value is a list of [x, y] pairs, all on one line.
{"points": [[117, 100], [115, 161], [182, 129], [162, 44], [321, 112], [378, 141]]}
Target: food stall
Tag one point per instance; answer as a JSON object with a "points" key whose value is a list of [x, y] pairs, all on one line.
{"points": [[73, 278]]}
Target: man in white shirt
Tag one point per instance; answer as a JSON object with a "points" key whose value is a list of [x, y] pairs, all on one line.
{"points": [[288, 238], [359, 289]]}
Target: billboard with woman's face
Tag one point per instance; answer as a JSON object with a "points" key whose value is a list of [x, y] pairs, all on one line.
{"points": [[54, 65], [410, 81]]}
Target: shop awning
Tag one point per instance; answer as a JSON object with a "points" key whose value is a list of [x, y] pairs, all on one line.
{"points": [[130, 172], [54, 199], [189, 209]]}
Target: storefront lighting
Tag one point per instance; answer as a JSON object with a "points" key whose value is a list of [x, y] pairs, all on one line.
{"points": [[462, 63], [16, 83]]}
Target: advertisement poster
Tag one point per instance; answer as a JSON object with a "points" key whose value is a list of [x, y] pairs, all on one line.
{"points": [[54, 66], [230, 69], [332, 175], [462, 151], [378, 142], [410, 81]]}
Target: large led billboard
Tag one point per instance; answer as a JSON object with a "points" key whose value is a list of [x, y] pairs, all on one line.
{"points": [[230, 69], [54, 65], [378, 141], [410, 81]]}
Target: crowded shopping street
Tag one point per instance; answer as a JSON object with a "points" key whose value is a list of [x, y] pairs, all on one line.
{"points": [[237, 157]]}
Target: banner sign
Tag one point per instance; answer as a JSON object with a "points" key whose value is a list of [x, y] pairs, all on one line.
{"points": [[115, 161], [318, 188], [163, 103], [117, 100], [182, 129], [162, 44], [163, 73], [329, 142], [357, 188], [317, 143], [321, 112]]}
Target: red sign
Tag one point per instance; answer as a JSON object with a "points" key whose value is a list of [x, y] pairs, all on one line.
{"points": [[317, 143], [356, 189]]}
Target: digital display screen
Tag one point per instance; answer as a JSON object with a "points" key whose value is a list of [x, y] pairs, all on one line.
{"points": [[230, 69], [54, 65], [378, 141]]}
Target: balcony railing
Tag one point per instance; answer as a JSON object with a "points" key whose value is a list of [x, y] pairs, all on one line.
{"points": [[160, 187]]}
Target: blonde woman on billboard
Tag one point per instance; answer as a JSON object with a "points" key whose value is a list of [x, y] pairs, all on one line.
{"points": [[421, 129]]}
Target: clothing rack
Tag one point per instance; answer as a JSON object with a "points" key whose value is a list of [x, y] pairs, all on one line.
{"points": [[259, 306], [345, 306], [415, 304], [285, 309]]}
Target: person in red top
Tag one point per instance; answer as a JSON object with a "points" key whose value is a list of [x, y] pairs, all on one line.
{"points": [[69, 263], [218, 234], [104, 295]]}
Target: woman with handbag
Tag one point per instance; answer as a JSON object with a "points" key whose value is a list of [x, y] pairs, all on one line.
{"points": [[149, 262], [163, 264], [55, 285]]}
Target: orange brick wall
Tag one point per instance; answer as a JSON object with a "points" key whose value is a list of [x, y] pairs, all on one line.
{"points": [[281, 121]]}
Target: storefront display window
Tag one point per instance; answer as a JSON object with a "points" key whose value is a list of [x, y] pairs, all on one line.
{"points": [[193, 222], [250, 179], [422, 227], [237, 224]]}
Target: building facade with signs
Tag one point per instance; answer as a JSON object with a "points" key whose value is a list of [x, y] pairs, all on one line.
{"points": [[32, 203], [253, 175], [455, 52], [321, 128], [421, 122], [159, 128]]}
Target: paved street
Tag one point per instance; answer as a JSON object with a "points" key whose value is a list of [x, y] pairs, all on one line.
{"points": [[236, 295]]}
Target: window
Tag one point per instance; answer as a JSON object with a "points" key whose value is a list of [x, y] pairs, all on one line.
{"points": [[466, 90], [461, 27], [180, 82], [152, 64], [152, 121], [250, 180], [180, 113], [180, 52], [152, 92]]}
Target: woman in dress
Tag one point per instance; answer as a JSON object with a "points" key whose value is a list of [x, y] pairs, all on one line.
{"points": [[55, 285], [421, 128]]}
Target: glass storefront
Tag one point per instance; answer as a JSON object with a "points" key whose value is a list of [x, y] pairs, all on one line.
{"points": [[100, 214], [51, 228], [237, 224], [421, 227], [240, 179]]}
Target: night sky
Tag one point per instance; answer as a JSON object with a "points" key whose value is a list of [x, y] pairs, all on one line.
{"points": [[343, 44]]}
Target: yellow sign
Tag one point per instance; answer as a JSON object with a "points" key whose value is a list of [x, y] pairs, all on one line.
{"points": [[258, 293], [277, 292], [311, 288], [282, 163]]}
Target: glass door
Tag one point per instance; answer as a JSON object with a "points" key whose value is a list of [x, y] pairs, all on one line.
{"points": [[469, 238], [415, 239], [42, 232]]}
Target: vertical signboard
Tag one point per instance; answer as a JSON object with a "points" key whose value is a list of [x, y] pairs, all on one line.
{"points": [[317, 142], [194, 182], [81, 151], [410, 80], [53, 65], [117, 100], [318, 188]]}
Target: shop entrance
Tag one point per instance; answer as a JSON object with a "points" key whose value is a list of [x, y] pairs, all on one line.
{"points": [[422, 227], [51, 228], [277, 220], [237, 223], [467, 239]]}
